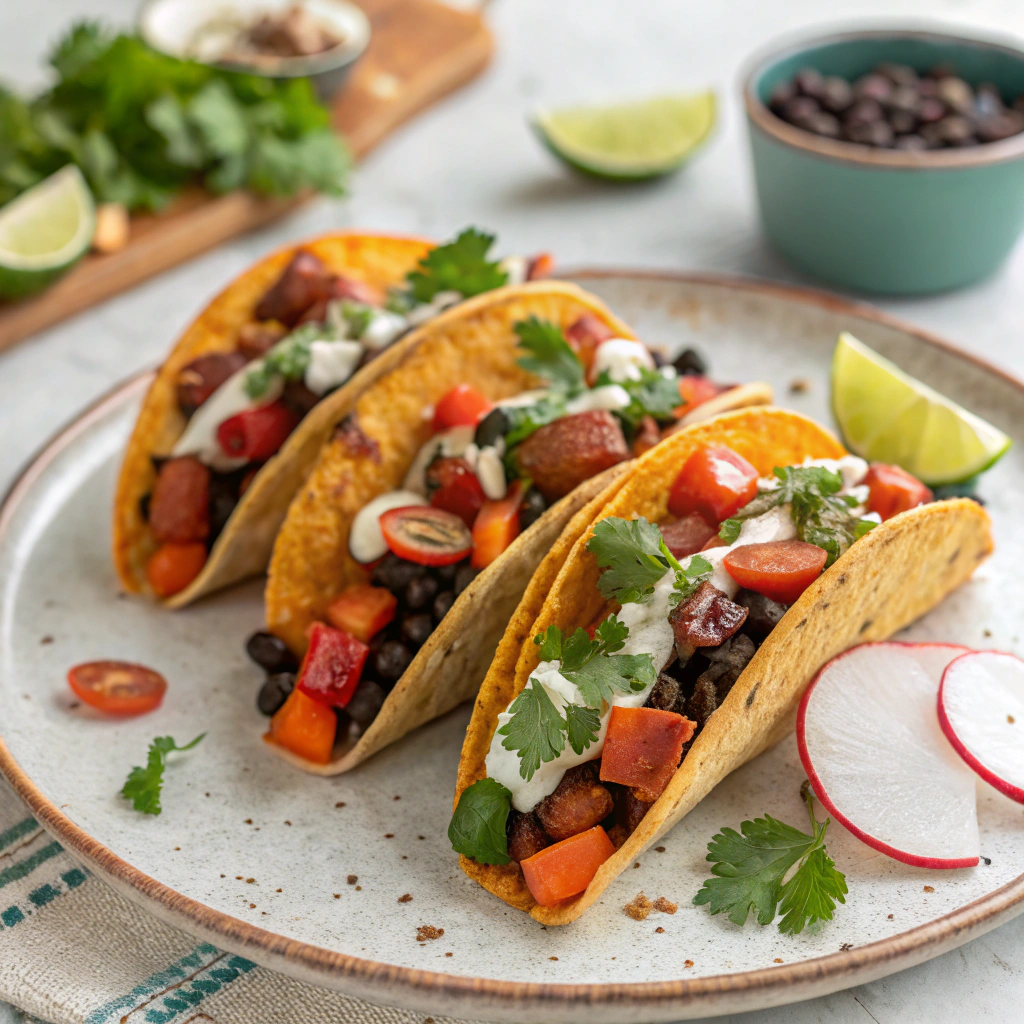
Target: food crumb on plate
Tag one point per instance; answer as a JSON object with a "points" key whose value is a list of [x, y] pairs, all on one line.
{"points": [[46, 640], [248, 821], [252, 906], [340, 803], [637, 864], [359, 888], [665, 906], [799, 385], [278, 890], [405, 898], [777, 960], [638, 908], [389, 835], [428, 931], [337, 895], [890, 917], [929, 888], [449, 954], [659, 930], [659, 849], [687, 963], [352, 879], [552, 957], [846, 947]]}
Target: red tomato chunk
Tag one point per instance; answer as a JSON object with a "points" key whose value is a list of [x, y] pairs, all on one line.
{"points": [[695, 390], [256, 434], [458, 489], [568, 867], [362, 610], [894, 490], [781, 569], [715, 481], [332, 666], [463, 406], [304, 726], [643, 748]]}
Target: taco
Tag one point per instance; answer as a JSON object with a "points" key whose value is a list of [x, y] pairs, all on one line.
{"points": [[237, 414], [672, 642], [429, 508]]}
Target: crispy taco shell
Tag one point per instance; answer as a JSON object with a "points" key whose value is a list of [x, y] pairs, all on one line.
{"points": [[243, 547], [888, 579], [370, 454]]}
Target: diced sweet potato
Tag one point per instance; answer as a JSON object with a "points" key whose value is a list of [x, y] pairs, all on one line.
{"points": [[643, 747]]}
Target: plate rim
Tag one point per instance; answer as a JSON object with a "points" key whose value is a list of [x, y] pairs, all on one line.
{"points": [[800, 979]]}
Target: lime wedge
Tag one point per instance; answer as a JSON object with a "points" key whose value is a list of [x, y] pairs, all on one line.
{"points": [[887, 416], [44, 232], [629, 141]]}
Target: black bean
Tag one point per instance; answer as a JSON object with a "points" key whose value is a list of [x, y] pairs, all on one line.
{"points": [[270, 652], [904, 99], [366, 702], [690, 361], [395, 573], [446, 573], [443, 603], [800, 110], [873, 87], [274, 692], [416, 628], [837, 94], [898, 74], [824, 124], [954, 130], [494, 425], [391, 660], [463, 577], [532, 508], [223, 499], [420, 592], [780, 96], [901, 122], [810, 82], [144, 506]]}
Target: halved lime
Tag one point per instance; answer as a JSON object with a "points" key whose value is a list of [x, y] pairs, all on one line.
{"points": [[629, 141], [887, 416], [45, 231]]}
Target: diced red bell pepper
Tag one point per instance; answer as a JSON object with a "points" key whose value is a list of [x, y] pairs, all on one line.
{"points": [[542, 265], [458, 488], [715, 481], [362, 610], [585, 335], [256, 434], [780, 569], [304, 726], [172, 567], [894, 490], [463, 406], [568, 867], [688, 535], [694, 390], [643, 748], [496, 526], [332, 666]]}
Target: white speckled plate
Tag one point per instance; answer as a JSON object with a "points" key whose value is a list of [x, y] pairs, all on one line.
{"points": [[255, 856]]}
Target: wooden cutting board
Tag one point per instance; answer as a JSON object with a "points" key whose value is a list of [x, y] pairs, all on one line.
{"points": [[420, 51]]}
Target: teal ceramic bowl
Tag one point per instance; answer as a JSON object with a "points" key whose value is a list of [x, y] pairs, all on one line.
{"points": [[877, 220]]}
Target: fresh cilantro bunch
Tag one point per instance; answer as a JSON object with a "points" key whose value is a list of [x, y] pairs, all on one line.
{"points": [[751, 873], [143, 785], [141, 125], [633, 557], [821, 515], [537, 730], [461, 266]]}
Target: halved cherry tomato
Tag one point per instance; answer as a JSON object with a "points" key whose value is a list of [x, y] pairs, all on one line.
{"points": [[585, 335], [780, 569], [458, 488], [333, 664], [172, 567], [304, 726], [643, 748], [694, 390], [256, 434], [362, 610], [715, 481], [496, 526], [688, 535], [463, 406], [568, 867], [118, 687], [894, 490], [425, 535], [542, 265]]}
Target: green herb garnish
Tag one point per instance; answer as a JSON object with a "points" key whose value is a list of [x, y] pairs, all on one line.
{"points": [[477, 827], [288, 359], [524, 420], [460, 266], [549, 355], [143, 785], [751, 872], [653, 394]]}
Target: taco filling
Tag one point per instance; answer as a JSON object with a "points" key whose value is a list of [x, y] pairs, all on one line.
{"points": [[311, 331], [607, 717], [486, 474]]}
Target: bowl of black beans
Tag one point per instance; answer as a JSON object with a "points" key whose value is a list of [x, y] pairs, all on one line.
{"points": [[890, 161]]}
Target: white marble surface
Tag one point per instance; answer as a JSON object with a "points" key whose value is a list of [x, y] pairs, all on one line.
{"points": [[472, 160]]}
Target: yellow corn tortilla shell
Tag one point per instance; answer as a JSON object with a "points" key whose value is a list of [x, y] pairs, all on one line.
{"points": [[243, 547], [885, 581]]}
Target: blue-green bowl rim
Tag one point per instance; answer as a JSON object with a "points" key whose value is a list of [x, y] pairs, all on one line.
{"points": [[865, 156]]}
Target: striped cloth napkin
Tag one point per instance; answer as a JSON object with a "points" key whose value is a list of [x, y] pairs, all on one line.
{"points": [[73, 951]]}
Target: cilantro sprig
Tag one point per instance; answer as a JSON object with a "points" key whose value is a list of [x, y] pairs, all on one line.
{"points": [[821, 515], [652, 394], [144, 784], [477, 828], [751, 873], [460, 266], [549, 355]]}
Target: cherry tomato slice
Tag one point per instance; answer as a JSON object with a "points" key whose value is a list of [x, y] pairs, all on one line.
{"points": [[894, 490], [463, 406], [715, 481], [118, 687], [458, 488], [172, 567], [426, 535], [694, 390], [781, 569]]}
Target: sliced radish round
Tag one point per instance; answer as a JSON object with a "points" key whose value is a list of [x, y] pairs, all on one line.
{"points": [[871, 745], [981, 711]]}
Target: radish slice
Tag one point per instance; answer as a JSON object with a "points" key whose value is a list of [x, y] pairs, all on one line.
{"points": [[872, 747], [981, 711]]}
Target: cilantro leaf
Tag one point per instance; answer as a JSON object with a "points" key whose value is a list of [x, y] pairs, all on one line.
{"points": [[629, 552], [603, 676], [688, 577], [460, 266], [549, 355], [535, 731], [612, 634], [288, 359], [524, 420], [477, 828], [582, 726], [653, 394], [750, 873], [550, 644], [143, 785]]}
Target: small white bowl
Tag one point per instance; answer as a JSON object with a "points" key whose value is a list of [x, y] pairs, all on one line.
{"points": [[171, 26]]}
